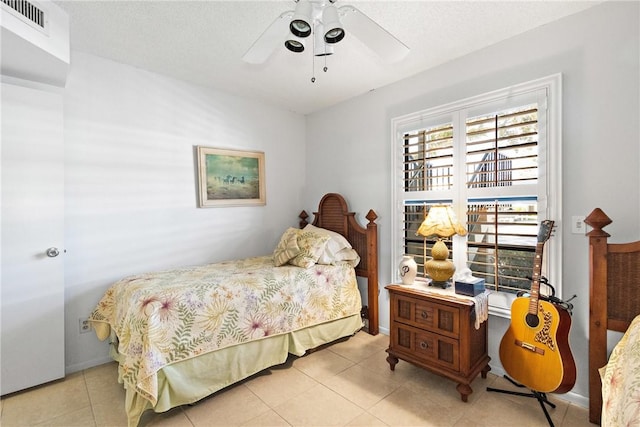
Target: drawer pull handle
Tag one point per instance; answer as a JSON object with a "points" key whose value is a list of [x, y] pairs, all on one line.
{"points": [[424, 345], [424, 315]]}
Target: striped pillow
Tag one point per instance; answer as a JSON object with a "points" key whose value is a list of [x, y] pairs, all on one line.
{"points": [[312, 245], [287, 248]]}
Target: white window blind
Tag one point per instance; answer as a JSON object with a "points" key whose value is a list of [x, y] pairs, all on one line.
{"points": [[428, 159], [428, 167], [490, 158], [501, 241], [502, 148], [502, 151]]}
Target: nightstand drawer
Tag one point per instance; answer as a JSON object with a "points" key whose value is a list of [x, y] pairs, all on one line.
{"points": [[427, 346], [437, 318]]}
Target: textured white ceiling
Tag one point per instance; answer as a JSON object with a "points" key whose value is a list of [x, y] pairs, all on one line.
{"points": [[202, 42]]}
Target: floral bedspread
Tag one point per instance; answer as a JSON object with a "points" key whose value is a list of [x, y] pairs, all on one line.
{"points": [[621, 381], [164, 317]]}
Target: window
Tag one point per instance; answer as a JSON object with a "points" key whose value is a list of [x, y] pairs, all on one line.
{"points": [[495, 159]]}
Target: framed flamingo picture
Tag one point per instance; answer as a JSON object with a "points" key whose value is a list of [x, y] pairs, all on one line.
{"points": [[230, 177]]}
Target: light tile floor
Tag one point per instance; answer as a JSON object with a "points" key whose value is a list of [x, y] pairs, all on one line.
{"points": [[346, 384]]}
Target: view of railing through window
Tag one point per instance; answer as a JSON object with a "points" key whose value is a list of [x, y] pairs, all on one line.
{"points": [[501, 242], [501, 158], [428, 159], [502, 151], [428, 166]]}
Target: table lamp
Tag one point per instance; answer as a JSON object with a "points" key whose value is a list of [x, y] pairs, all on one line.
{"points": [[440, 221]]}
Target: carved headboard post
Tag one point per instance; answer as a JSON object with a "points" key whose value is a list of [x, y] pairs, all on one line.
{"points": [[597, 307], [303, 219], [372, 262]]}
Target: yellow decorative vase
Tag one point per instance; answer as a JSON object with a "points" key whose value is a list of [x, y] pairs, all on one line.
{"points": [[439, 268]]}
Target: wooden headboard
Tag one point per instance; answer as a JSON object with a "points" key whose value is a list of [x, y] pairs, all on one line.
{"points": [[333, 214], [614, 297]]}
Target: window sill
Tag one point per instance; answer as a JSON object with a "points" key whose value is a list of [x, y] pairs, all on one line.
{"points": [[500, 304]]}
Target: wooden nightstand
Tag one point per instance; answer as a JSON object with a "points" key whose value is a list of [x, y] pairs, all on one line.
{"points": [[437, 332]]}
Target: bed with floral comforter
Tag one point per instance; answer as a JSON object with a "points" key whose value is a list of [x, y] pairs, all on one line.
{"points": [[621, 381], [165, 318]]}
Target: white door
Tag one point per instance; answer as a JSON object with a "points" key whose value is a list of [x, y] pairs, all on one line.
{"points": [[32, 212]]}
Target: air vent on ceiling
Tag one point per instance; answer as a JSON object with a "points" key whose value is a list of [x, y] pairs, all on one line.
{"points": [[29, 12]]}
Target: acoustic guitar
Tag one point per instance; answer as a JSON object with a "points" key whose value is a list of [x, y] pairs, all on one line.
{"points": [[535, 349]]}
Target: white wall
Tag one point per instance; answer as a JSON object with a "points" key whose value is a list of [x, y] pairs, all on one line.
{"points": [[130, 182], [349, 145]]}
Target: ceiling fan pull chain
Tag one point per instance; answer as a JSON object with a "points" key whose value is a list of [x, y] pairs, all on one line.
{"points": [[325, 61], [313, 57]]}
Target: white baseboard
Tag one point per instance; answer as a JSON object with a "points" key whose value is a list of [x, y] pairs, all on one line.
{"points": [[70, 369]]}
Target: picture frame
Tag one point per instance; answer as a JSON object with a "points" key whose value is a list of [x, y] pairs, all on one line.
{"points": [[230, 177]]}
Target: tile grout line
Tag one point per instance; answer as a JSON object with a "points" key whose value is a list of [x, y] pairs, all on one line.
{"points": [[93, 412]]}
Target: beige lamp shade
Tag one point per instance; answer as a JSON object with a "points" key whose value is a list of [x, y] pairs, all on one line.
{"points": [[441, 221]]}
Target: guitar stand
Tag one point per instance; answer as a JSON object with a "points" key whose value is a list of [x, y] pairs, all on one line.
{"points": [[542, 397]]}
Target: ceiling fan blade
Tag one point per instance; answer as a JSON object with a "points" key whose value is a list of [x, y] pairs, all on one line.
{"points": [[371, 34], [272, 38]]}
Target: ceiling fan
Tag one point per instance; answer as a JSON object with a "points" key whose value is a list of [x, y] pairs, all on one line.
{"points": [[318, 25]]}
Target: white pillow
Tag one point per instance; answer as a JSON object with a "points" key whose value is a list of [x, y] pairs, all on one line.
{"points": [[337, 242], [348, 255]]}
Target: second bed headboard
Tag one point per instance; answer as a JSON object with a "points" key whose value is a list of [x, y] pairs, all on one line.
{"points": [[614, 287]]}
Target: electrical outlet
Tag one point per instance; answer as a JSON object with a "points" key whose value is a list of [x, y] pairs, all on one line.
{"points": [[577, 225], [83, 324]]}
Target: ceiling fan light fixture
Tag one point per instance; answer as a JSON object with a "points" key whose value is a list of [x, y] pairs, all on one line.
{"points": [[293, 28], [294, 44], [320, 47], [333, 28], [300, 25]]}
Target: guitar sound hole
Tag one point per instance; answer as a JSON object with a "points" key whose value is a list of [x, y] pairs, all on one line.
{"points": [[532, 320]]}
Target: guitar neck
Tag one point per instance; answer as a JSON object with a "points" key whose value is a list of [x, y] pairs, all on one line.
{"points": [[535, 284]]}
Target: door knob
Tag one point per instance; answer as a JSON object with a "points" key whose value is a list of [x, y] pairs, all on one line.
{"points": [[53, 252]]}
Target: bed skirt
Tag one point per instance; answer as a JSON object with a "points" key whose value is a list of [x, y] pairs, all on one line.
{"points": [[191, 380]]}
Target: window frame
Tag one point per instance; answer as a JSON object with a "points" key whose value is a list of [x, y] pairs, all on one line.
{"points": [[548, 91]]}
